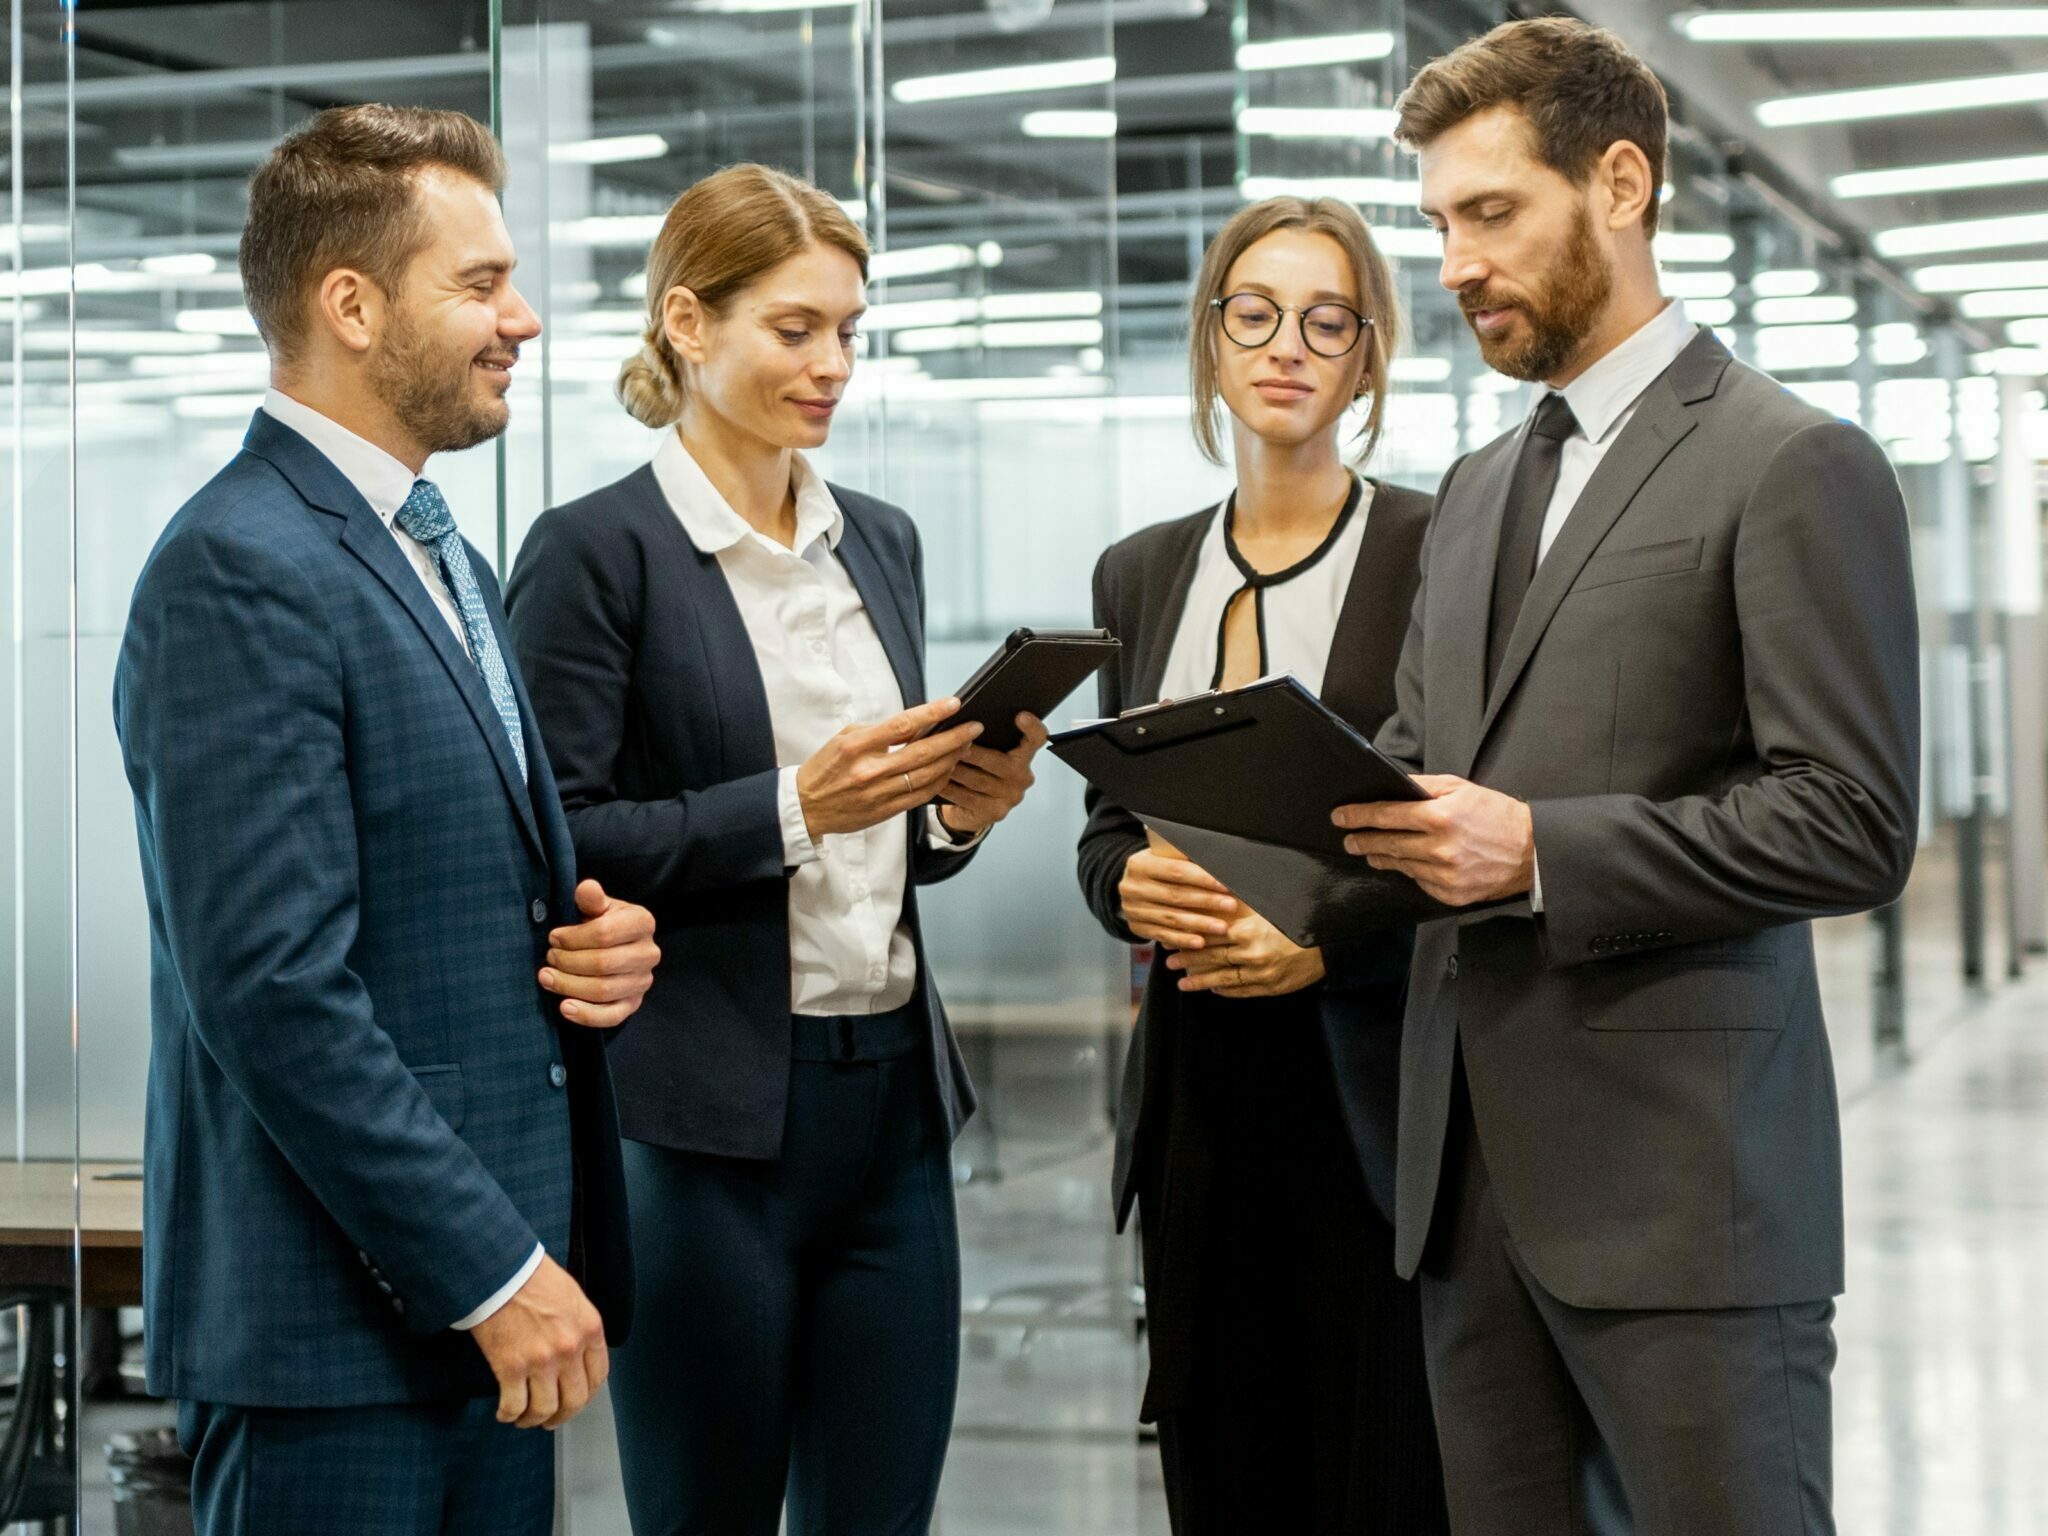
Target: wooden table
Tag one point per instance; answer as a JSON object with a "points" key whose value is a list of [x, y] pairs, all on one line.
{"points": [[37, 1209]]}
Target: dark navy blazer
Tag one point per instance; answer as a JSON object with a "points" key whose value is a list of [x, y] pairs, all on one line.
{"points": [[657, 722], [363, 1112]]}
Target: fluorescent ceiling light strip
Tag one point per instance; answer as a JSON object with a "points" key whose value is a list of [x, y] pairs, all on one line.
{"points": [[1316, 122], [925, 260], [1408, 243], [1381, 190], [216, 322], [1968, 276], [1820, 309], [612, 151], [180, 264], [1069, 125], [1061, 75], [1884, 24], [1785, 283], [1703, 247], [609, 229], [1903, 181], [1697, 285], [1963, 235], [2028, 333], [1420, 370], [1306, 52], [763, 7], [1710, 311], [2004, 303], [1903, 100]]}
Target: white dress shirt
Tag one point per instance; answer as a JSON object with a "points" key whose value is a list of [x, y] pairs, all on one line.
{"points": [[381, 481], [1301, 614], [1603, 401], [823, 668], [384, 483]]}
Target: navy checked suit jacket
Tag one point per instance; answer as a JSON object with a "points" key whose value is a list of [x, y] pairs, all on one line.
{"points": [[363, 1112], [658, 723]]}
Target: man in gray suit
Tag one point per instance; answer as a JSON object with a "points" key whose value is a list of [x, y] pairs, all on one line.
{"points": [[1669, 624]]}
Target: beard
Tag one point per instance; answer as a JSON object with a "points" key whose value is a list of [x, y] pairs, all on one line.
{"points": [[1558, 320], [430, 392]]}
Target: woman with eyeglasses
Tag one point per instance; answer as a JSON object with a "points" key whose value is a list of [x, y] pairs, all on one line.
{"points": [[1257, 1124]]}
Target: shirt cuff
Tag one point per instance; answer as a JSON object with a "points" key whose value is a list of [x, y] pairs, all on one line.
{"points": [[797, 847], [503, 1294], [942, 837], [1536, 889]]}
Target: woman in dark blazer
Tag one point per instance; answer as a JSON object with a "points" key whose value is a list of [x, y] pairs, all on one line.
{"points": [[709, 642], [1257, 1124]]}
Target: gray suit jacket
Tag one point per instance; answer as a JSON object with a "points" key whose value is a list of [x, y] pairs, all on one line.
{"points": [[1711, 702]]}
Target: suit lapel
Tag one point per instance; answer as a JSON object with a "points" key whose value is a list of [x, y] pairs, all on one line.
{"points": [[1365, 648], [884, 600], [364, 535], [1462, 558], [746, 741], [1658, 425], [1160, 625]]}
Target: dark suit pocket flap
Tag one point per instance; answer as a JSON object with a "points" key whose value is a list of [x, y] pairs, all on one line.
{"points": [[1691, 990], [445, 1092], [1667, 559]]}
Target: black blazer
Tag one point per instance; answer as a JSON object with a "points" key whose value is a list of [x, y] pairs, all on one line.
{"points": [[658, 729], [1141, 590]]}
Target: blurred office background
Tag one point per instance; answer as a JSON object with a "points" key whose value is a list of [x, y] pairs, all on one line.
{"points": [[1855, 210]]}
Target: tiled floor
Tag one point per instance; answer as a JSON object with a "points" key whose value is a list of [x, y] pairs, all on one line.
{"points": [[1942, 1389]]}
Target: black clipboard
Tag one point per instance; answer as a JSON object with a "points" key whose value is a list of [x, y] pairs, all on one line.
{"points": [[1243, 782], [1031, 673]]}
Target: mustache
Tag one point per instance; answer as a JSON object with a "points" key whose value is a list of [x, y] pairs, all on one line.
{"points": [[1486, 298]]}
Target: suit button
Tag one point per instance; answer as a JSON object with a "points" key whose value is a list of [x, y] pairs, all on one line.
{"points": [[364, 1257], [540, 910], [1451, 967], [1599, 946], [398, 1306], [384, 1286], [558, 1074]]}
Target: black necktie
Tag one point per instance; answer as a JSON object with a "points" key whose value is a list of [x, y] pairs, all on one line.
{"points": [[1521, 529]]}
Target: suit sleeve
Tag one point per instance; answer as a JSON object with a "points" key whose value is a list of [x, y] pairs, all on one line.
{"points": [[930, 860], [1823, 585], [1112, 833], [1402, 736], [573, 606], [230, 709]]}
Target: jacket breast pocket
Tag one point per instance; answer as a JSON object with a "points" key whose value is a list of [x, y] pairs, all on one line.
{"points": [[1645, 560], [1692, 987], [445, 1092]]}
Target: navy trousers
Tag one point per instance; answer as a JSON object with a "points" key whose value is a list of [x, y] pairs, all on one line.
{"points": [[798, 1328], [408, 1469]]}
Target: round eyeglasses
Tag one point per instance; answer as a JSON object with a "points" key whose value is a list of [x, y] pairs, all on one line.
{"points": [[1328, 330]]}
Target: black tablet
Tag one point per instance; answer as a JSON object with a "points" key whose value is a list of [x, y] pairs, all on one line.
{"points": [[1031, 673]]}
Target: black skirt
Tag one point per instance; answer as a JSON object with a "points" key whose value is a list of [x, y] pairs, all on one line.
{"points": [[1288, 1381]]}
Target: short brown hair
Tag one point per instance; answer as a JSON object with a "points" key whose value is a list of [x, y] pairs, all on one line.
{"points": [[719, 236], [1375, 279], [1580, 87], [340, 192]]}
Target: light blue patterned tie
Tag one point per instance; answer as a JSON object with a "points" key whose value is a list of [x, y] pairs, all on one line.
{"points": [[426, 517]]}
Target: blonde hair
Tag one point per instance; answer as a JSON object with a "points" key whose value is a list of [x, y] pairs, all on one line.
{"points": [[719, 236], [1369, 269]]}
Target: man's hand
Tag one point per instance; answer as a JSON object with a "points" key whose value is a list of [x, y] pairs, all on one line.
{"points": [[1253, 959], [602, 968], [1174, 901], [1465, 845], [987, 785], [868, 774], [546, 1347]]}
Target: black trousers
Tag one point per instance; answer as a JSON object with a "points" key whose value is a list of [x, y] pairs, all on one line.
{"points": [[1713, 1423], [1302, 1405], [409, 1469], [798, 1322]]}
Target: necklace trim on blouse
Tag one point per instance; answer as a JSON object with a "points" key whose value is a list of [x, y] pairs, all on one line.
{"points": [[1256, 581]]}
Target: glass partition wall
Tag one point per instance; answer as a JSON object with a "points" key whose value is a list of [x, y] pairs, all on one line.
{"points": [[1039, 181]]}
